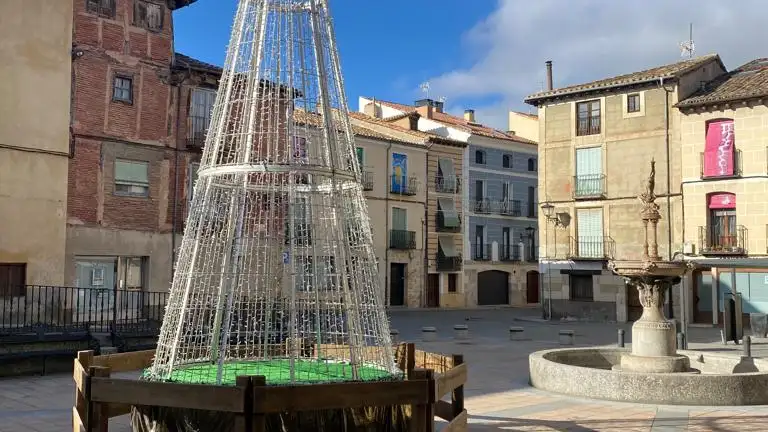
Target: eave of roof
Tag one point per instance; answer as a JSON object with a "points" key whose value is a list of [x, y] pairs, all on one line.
{"points": [[178, 4], [185, 62], [634, 79], [745, 83]]}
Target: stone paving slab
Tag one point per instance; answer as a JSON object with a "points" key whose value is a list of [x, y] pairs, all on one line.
{"points": [[498, 395]]}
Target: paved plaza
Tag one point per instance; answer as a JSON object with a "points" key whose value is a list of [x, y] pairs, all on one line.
{"points": [[498, 395]]}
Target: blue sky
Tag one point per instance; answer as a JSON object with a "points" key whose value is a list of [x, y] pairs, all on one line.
{"points": [[489, 54], [387, 47]]}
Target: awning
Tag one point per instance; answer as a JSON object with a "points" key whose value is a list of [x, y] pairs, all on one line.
{"points": [[447, 245], [446, 167], [450, 215]]}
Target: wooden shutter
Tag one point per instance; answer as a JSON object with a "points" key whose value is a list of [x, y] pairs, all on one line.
{"points": [[590, 232], [399, 219], [589, 161]]}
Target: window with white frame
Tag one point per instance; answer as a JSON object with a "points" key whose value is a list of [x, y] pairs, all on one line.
{"points": [[131, 178]]}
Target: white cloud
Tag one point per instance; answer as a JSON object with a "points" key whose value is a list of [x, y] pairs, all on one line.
{"points": [[589, 40]]}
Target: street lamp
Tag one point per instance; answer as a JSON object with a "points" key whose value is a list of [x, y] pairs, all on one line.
{"points": [[558, 220]]}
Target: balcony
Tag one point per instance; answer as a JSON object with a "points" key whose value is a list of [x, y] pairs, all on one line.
{"points": [[481, 252], [591, 248], [481, 205], [402, 185], [444, 263], [714, 240], [509, 253], [718, 172], [367, 180], [589, 186], [402, 240], [447, 224], [197, 129], [508, 208], [447, 184]]}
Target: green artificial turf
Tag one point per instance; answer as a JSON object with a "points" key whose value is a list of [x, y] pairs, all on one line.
{"points": [[277, 372]]}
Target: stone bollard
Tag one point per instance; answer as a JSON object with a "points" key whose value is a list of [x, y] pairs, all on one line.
{"points": [[680, 341], [747, 347], [516, 333], [428, 334], [566, 337], [621, 338], [395, 336], [461, 332]]}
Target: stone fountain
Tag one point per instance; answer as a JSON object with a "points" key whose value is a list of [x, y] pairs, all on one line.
{"points": [[653, 336], [653, 371]]}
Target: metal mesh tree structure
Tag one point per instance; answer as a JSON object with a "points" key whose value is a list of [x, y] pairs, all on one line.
{"points": [[276, 275]]}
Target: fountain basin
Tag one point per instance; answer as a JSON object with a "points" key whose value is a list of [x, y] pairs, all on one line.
{"points": [[724, 380]]}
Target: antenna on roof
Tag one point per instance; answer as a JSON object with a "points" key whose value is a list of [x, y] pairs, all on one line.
{"points": [[688, 47], [425, 89], [441, 99]]}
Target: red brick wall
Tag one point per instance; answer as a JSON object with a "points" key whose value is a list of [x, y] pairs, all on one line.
{"points": [[105, 129]]}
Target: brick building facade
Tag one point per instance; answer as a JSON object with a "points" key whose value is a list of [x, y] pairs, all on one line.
{"points": [[138, 120]]}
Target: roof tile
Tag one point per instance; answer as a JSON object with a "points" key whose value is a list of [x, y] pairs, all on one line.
{"points": [[745, 82]]}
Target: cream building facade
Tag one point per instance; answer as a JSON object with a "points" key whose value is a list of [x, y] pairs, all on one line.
{"points": [[35, 45], [597, 141], [524, 125], [724, 139]]}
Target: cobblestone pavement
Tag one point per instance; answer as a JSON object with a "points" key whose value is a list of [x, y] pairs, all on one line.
{"points": [[498, 395]]}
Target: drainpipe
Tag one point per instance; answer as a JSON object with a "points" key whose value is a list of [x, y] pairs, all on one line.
{"points": [[670, 304]]}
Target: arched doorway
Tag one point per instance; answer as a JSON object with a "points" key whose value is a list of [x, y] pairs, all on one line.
{"points": [[532, 286], [492, 288]]}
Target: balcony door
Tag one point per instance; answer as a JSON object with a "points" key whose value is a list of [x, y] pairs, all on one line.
{"points": [[589, 171], [722, 221], [479, 241], [506, 243], [589, 225]]}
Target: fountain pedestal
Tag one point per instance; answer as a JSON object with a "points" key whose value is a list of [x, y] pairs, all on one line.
{"points": [[653, 336]]}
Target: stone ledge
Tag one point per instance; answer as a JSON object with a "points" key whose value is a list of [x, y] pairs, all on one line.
{"points": [[586, 372]]}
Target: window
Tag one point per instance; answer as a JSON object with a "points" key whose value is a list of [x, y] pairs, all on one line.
{"points": [[131, 178], [132, 273], [199, 119], [453, 279], [506, 161], [506, 191], [589, 227], [479, 157], [399, 219], [588, 118], [122, 89], [589, 172], [104, 8], [13, 279], [506, 243], [148, 15], [194, 167], [581, 288], [531, 201], [633, 103], [446, 181], [360, 156], [531, 164], [722, 222]]}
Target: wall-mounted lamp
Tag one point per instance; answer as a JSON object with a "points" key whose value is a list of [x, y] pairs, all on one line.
{"points": [[559, 219]]}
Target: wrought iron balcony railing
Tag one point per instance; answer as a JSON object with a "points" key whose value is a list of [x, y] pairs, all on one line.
{"points": [[402, 185], [509, 253], [591, 248], [447, 184], [589, 186], [367, 180], [402, 239], [481, 205], [442, 225], [481, 252], [197, 129], [508, 207], [445, 263], [724, 171], [714, 240]]}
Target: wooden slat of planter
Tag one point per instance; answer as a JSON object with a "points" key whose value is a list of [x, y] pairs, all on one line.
{"points": [[458, 424], [341, 395], [116, 410], [77, 422], [451, 379], [125, 362], [437, 362], [444, 410], [80, 376], [193, 396]]}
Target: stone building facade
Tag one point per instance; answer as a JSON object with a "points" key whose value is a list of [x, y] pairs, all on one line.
{"points": [[596, 143], [724, 139]]}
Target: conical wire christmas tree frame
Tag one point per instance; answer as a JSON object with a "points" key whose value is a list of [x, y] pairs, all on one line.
{"points": [[276, 274]]}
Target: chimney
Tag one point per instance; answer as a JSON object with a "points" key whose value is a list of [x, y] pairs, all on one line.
{"points": [[425, 107], [469, 115], [549, 74]]}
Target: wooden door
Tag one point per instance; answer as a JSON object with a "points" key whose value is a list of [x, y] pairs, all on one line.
{"points": [[397, 284], [433, 290], [532, 287]]}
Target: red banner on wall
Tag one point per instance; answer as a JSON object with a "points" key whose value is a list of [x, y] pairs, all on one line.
{"points": [[719, 149], [722, 201]]}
